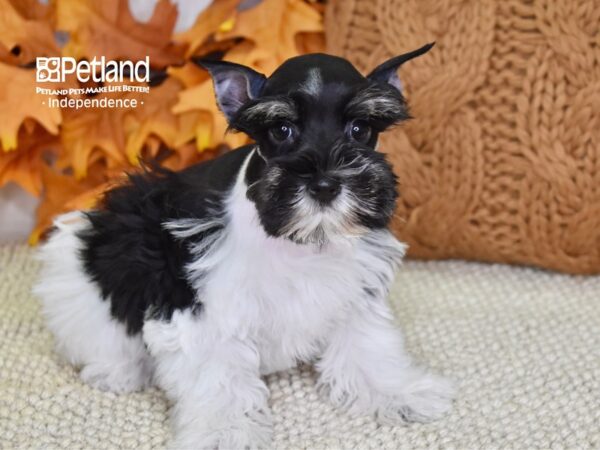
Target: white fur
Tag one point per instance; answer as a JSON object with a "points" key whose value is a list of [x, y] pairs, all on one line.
{"points": [[365, 368], [267, 303], [372, 103], [316, 224], [85, 333], [271, 109]]}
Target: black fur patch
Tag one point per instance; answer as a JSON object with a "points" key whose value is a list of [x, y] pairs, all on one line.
{"points": [[136, 263]]}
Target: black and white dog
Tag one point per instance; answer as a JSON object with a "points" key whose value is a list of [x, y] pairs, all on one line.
{"points": [[204, 280]]}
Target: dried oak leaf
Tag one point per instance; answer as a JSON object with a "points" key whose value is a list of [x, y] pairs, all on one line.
{"points": [[272, 25], [24, 165], [117, 136], [21, 40], [92, 135], [174, 159], [218, 16], [310, 42], [185, 156], [211, 127], [63, 193], [108, 29], [7, 57], [154, 118], [32, 9], [19, 100], [24, 36]]}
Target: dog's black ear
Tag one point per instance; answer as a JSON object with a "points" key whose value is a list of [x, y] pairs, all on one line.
{"points": [[388, 71], [234, 84]]}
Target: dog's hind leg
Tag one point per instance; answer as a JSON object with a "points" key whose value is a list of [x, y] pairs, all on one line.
{"points": [[85, 333]]}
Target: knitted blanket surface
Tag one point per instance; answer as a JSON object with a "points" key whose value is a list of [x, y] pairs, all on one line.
{"points": [[502, 159], [523, 346]]}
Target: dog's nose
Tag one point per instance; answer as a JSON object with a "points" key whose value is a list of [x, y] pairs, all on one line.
{"points": [[324, 189]]}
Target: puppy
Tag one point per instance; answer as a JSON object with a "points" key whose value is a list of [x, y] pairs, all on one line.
{"points": [[204, 280]]}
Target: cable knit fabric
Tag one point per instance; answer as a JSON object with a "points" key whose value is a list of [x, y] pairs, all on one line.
{"points": [[522, 344], [502, 160]]}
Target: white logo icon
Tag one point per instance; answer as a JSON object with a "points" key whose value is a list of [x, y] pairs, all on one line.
{"points": [[55, 70], [48, 69]]}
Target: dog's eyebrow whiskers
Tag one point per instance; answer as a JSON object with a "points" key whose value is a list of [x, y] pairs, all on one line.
{"points": [[269, 110], [374, 102]]}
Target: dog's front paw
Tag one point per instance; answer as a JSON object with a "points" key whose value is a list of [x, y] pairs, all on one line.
{"points": [[424, 397], [250, 432]]}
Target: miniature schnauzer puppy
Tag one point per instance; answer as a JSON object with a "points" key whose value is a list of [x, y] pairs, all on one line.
{"points": [[205, 280]]}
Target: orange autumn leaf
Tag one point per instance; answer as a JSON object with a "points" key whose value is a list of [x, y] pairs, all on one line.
{"points": [[185, 156], [108, 29], [24, 165], [272, 25], [211, 128], [188, 74], [32, 9], [92, 135], [221, 13], [118, 135], [19, 100], [310, 42], [178, 158], [198, 95], [154, 118], [63, 193], [7, 57], [24, 36]]}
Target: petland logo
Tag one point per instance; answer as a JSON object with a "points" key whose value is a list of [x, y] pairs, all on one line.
{"points": [[56, 69]]}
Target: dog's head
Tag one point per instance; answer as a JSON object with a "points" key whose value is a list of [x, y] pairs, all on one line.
{"points": [[316, 120]]}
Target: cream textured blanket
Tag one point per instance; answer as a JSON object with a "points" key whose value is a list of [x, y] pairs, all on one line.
{"points": [[523, 345]]}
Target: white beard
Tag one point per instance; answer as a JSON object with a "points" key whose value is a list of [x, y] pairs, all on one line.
{"points": [[313, 223]]}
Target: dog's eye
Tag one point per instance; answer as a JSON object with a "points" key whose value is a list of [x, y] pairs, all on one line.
{"points": [[281, 132], [360, 131]]}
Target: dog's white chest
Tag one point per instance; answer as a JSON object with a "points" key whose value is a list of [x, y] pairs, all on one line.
{"points": [[303, 295], [283, 296]]}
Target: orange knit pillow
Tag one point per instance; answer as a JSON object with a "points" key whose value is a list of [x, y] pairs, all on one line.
{"points": [[502, 160]]}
